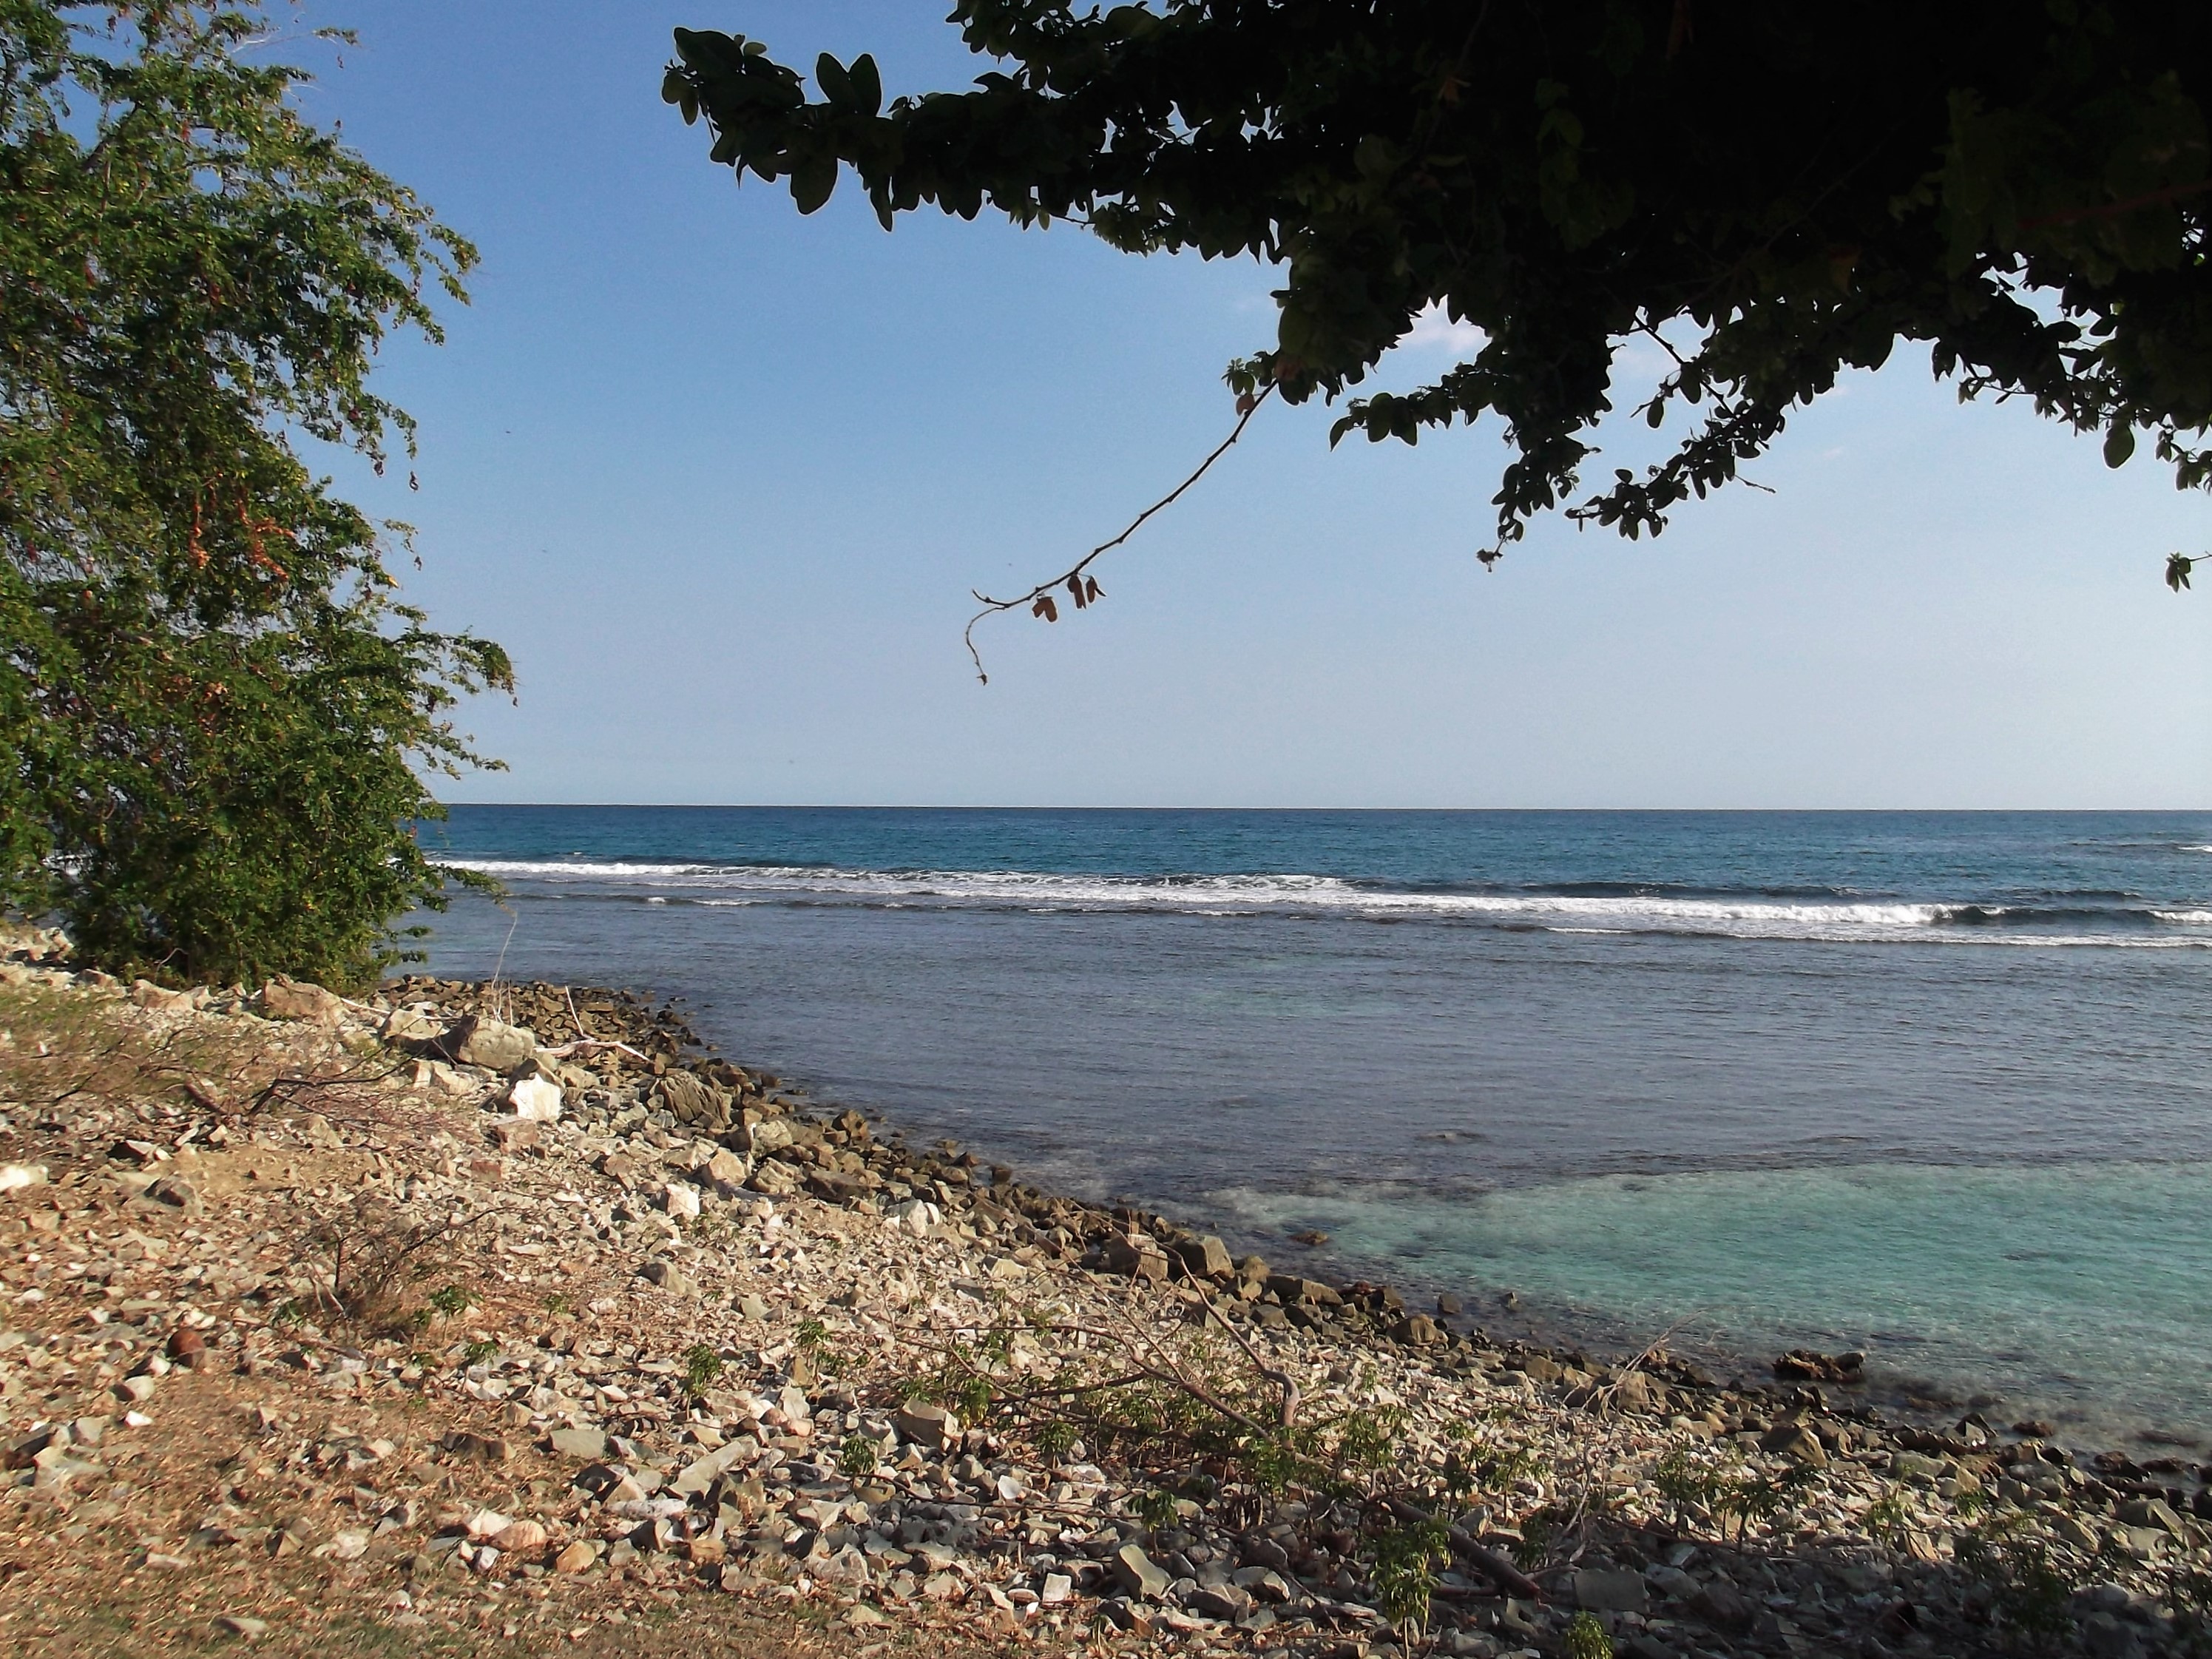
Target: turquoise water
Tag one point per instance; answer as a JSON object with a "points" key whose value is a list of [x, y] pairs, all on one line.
{"points": [[1937, 1085], [2082, 1287]]}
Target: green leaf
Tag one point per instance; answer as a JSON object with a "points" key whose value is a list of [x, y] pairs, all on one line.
{"points": [[2120, 444], [812, 180], [867, 85], [829, 75]]}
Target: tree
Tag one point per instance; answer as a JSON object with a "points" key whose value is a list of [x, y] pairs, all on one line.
{"points": [[214, 710], [1774, 193]]}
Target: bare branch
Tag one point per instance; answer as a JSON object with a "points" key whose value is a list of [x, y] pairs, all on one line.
{"points": [[1040, 598]]}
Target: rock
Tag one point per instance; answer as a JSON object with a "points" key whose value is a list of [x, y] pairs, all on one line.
{"points": [[1205, 1258], [1796, 1441], [1723, 1606], [671, 1278], [2106, 1638], [726, 1172], [693, 1102], [929, 1426], [1803, 1365], [916, 1216], [1609, 1590], [703, 1474], [484, 1447], [418, 1024], [520, 1535], [837, 1186], [177, 1194], [2069, 1531], [1294, 1291], [1057, 1587], [1449, 1306], [517, 1135], [1417, 1331], [2151, 1512], [1220, 1601], [148, 995], [752, 1308], [1137, 1256], [489, 1523], [590, 1444], [768, 1135], [681, 1198], [237, 1623], [1139, 1574], [536, 1100], [14, 1177], [493, 1046], [774, 1179], [286, 999]]}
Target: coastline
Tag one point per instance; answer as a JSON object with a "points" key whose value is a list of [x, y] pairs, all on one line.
{"points": [[683, 1205]]}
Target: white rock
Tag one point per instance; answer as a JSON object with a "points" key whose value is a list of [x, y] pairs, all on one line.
{"points": [[680, 1198], [16, 1176], [536, 1099], [416, 1024], [916, 1216], [489, 1523]]}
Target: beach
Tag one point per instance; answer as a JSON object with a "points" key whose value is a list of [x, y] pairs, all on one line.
{"points": [[714, 1351]]}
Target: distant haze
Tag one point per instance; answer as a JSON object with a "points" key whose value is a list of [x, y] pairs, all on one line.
{"points": [[722, 477]]}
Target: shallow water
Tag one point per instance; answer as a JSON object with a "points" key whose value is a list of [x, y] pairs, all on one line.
{"points": [[1935, 1086]]}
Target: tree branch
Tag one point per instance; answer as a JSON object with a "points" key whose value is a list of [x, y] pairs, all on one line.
{"points": [[1039, 599]]}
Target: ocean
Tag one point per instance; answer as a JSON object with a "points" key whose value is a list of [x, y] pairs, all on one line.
{"points": [[1937, 1086]]}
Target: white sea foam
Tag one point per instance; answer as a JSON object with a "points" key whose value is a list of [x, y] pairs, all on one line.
{"points": [[1311, 895]]}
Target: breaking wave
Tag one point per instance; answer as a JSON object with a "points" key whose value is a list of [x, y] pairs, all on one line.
{"points": [[1794, 915]]}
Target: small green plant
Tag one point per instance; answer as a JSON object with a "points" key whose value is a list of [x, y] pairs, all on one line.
{"points": [[2030, 1586], [1407, 1561], [1504, 1467], [560, 1304], [1725, 1495], [1155, 1508], [702, 1367], [290, 1314], [858, 1456], [813, 1340], [1055, 1440], [450, 1301], [1586, 1638], [1533, 1547], [2187, 1593], [1888, 1518], [478, 1352]]}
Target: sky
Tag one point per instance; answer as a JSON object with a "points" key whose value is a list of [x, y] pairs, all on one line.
{"points": [[722, 477]]}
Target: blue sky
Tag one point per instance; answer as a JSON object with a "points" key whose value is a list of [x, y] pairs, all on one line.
{"points": [[722, 477]]}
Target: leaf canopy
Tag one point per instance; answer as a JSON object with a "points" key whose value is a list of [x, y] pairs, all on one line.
{"points": [[1774, 193]]}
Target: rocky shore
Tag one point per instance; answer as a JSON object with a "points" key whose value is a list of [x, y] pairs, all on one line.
{"points": [[472, 1317]]}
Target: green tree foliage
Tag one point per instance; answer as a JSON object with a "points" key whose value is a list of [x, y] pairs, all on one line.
{"points": [[214, 711], [1772, 193]]}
